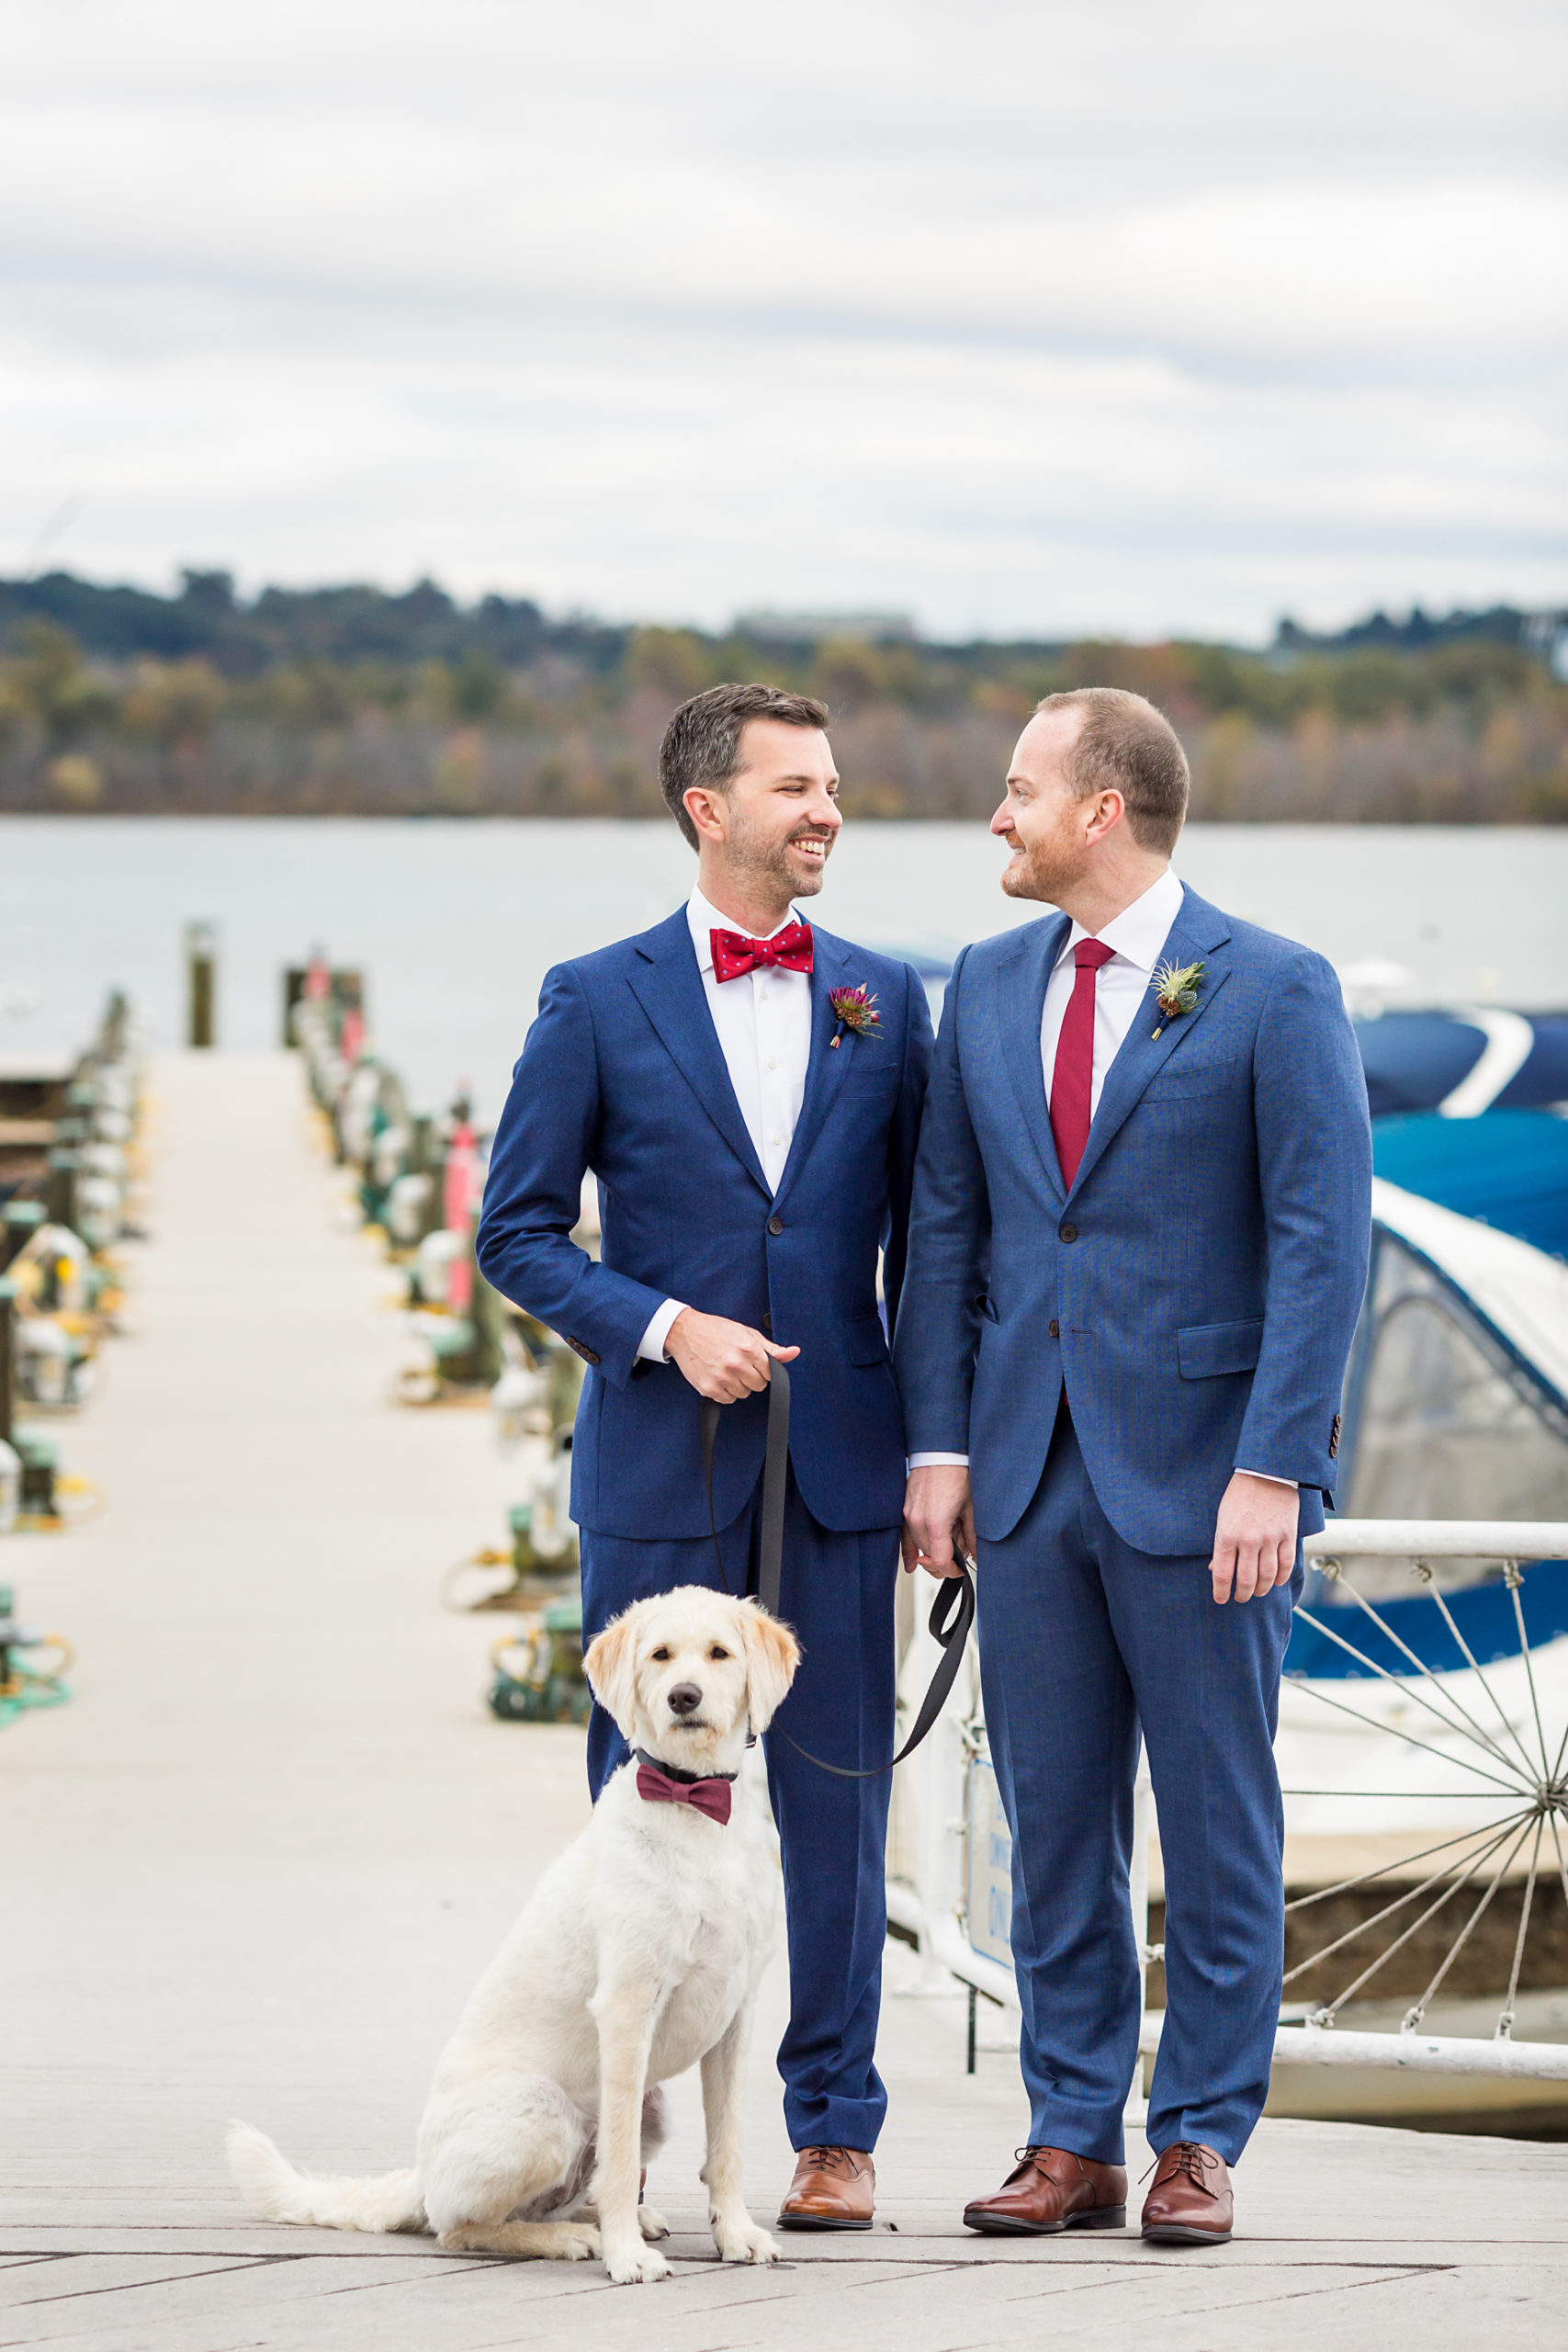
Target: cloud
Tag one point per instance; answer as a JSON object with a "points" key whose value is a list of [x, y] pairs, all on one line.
{"points": [[1028, 316]]}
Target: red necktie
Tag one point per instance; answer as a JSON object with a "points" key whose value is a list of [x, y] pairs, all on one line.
{"points": [[1072, 1081], [734, 954], [713, 1797]]}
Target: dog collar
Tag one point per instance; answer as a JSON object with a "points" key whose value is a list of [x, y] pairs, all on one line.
{"points": [[675, 1772]]}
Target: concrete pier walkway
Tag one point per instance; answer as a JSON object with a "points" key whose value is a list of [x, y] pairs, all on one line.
{"points": [[256, 1864]]}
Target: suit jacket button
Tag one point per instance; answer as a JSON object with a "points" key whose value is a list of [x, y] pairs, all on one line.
{"points": [[1054, 1327], [588, 1354], [775, 1224], [765, 1323], [1069, 1232]]}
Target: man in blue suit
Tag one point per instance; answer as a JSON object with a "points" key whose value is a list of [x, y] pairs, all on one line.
{"points": [[1137, 1250], [753, 1136]]}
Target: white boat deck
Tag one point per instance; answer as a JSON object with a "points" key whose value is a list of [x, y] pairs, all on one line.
{"points": [[255, 1865]]}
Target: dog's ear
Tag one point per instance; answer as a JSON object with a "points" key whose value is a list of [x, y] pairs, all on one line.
{"points": [[772, 1655], [610, 1664]]}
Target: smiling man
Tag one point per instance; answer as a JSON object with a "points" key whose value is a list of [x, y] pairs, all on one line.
{"points": [[1138, 1248], [753, 1153]]}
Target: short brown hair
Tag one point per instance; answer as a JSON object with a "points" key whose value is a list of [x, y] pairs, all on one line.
{"points": [[702, 742], [1126, 745]]}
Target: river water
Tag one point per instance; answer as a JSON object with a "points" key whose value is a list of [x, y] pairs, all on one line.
{"points": [[454, 923]]}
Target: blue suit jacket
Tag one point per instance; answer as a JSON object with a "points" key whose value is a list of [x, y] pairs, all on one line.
{"points": [[622, 1073], [1196, 1287]]}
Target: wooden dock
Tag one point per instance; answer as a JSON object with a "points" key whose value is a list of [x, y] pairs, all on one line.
{"points": [[256, 1864]]}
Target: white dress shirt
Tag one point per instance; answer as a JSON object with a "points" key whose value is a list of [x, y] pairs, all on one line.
{"points": [[763, 1024], [1137, 937]]}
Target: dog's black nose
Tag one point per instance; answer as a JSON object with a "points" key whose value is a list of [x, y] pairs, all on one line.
{"points": [[685, 1698]]}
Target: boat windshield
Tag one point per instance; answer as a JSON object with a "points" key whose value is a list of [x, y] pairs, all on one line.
{"points": [[1450, 1423]]}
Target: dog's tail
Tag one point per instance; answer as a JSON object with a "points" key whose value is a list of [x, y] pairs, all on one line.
{"points": [[278, 2193]]}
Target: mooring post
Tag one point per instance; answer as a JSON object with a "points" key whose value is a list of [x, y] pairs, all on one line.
{"points": [[60, 1189], [201, 972], [8, 1358]]}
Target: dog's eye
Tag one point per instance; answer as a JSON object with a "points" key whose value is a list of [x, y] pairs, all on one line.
{"points": [[661, 1654], [719, 1651]]}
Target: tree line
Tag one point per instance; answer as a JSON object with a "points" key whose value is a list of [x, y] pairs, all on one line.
{"points": [[346, 701]]}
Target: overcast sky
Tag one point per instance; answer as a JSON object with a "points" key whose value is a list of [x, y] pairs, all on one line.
{"points": [[1020, 315]]}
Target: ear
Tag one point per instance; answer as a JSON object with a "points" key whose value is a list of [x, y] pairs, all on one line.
{"points": [[772, 1655], [610, 1664]]}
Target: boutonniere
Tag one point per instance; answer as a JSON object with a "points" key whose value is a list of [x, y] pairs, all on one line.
{"points": [[1176, 991], [854, 1009]]}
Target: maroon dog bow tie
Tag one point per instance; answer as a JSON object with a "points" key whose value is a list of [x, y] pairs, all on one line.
{"points": [[711, 1797], [734, 954]]}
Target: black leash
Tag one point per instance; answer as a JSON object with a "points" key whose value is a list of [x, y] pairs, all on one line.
{"points": [[952, 1610]]}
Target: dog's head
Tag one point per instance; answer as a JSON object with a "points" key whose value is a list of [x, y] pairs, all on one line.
{"points": [[685, 1673]]}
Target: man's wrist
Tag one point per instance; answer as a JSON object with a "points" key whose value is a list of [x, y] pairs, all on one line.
{"points": [[651, 1345]]}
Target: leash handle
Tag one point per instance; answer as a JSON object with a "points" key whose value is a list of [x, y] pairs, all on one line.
{"points": [[952, 1610]]}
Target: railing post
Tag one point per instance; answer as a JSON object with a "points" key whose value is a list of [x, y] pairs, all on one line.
{"points": [[1136, 2113]]}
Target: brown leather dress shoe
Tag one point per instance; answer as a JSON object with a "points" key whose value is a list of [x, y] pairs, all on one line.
{"points": [[833, 2188], [1052, 2189], [1189, 2200]]}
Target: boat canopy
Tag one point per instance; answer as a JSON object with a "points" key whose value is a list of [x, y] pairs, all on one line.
{"points": [[1463, 1063]]}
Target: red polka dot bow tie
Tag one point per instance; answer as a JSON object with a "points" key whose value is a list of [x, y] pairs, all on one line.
{"points": [[655, 1786], [734, 954]]}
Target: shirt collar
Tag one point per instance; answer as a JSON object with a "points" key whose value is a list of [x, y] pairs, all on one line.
{"points": [[704, 919], [1140, 930]]}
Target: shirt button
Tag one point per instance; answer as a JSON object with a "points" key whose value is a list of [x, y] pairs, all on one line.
{"points": [[778, 1139], [775, 1224], [772, 1065], [1069, 1232], [1054, 1328]]}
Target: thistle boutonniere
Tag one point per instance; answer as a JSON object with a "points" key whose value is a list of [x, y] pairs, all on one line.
{"points": [[854, 1009], [1175, 989]]}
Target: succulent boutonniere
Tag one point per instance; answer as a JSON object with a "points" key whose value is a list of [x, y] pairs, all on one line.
{"points": [[1176, 991], [854, 1009]]}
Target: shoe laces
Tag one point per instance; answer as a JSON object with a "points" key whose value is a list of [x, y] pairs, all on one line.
{"points": [[829, 2159], [1025, 2157], [1192, 2158]]}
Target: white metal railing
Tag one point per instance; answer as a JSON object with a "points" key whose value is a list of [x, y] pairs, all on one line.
{"points": [[1492, 1727]]}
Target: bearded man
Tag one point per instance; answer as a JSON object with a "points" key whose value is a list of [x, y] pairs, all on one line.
{"points": [[751, 1121], [1137, 1250]]}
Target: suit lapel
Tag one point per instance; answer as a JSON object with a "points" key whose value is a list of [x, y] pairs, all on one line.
{"points": [[668, 987], [1198, 934], [1020, 1008], [830, 962]]}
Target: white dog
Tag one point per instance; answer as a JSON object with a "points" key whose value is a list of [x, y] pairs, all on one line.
{"points": [[638, 1956]]}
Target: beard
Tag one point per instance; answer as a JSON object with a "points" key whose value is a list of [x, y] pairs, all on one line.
{"points": [[759, 860], [1045, 869]]}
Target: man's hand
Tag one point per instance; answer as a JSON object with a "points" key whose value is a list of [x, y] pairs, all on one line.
{"points": [[721, 1359], [1255, 1536], [937, 1508]]}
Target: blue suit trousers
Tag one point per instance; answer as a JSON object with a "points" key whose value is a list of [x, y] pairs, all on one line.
{"points": [[1084, 1640], [837, 1592]]}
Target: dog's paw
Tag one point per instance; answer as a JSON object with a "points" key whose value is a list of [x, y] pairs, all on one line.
{"points": [[652, 2225], [578, 2242], [635, 2265], [742, 2240]]}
